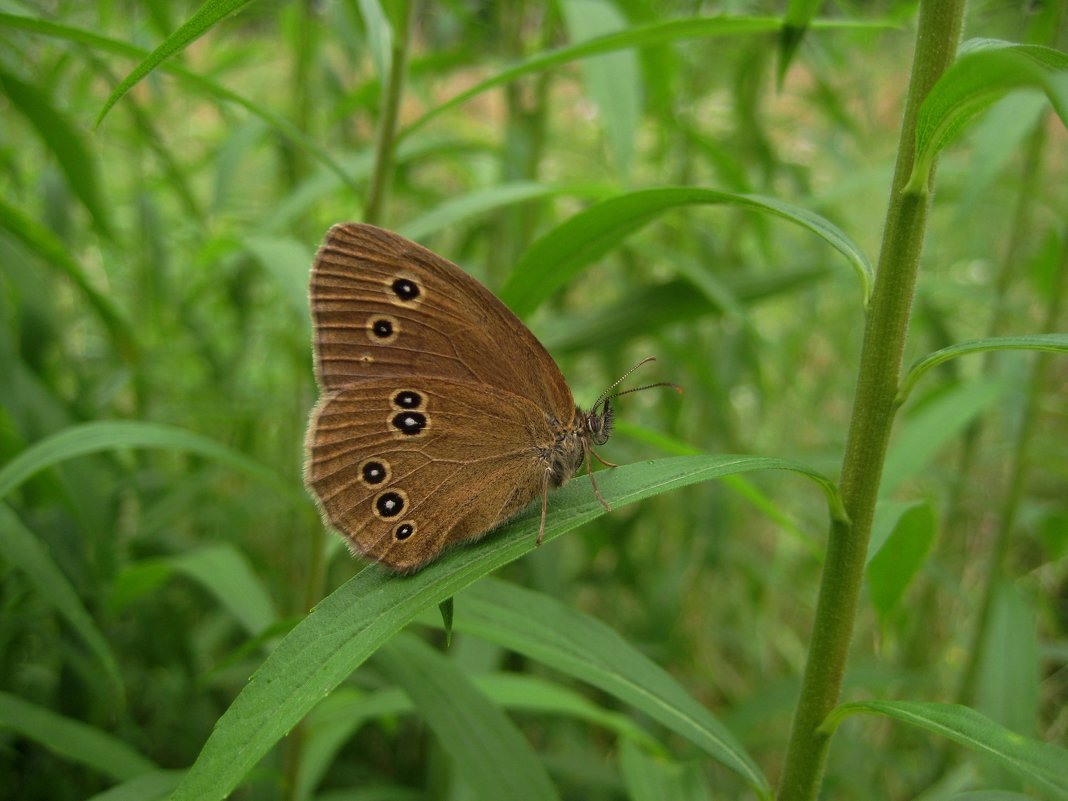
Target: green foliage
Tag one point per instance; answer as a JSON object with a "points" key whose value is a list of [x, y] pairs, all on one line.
{"points": [[176, 623]]}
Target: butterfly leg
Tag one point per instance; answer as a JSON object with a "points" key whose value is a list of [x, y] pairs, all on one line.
{"points": [[601, 459], [544, 504], [596, 489]]}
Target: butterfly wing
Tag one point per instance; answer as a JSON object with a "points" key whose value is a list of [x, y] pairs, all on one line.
{"points": [[386, 307], [404, 467]]}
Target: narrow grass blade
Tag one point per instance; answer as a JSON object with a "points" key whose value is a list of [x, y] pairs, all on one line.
{"points": [[1039, 763], [562, 253], [655, 778], [203, 19], [72, 739], [154, 786], [612, 80], [117, 434], [204, 85], [637, 36], [795, 24], [225, 573], [22, 549], [486, 748], [64, 142], [578, 645], [1053, 343], [53, 252], [474, 204]]}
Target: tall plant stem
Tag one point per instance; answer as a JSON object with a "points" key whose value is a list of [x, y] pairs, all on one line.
{"points": [[386, 133], [872, 418]]}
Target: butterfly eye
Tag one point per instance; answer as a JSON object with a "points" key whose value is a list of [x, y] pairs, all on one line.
{"points": [[408, 399], [374, 471], [404, 530], [405, 289], [409, 423], [390, 504]]}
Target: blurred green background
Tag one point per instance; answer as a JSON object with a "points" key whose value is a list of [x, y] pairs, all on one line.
{"points": [[153, 268]]}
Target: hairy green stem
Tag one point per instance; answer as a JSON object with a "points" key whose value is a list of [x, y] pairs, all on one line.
{"points": [[872, 418], [386, 133]]}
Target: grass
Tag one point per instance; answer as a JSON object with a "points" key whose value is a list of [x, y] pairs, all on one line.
{"points": [[857, 506]]}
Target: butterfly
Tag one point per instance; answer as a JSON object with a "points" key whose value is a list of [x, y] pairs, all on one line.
{"points": [[440, 414]]}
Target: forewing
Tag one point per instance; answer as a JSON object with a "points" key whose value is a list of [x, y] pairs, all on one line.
{"points": [[386, 307]]}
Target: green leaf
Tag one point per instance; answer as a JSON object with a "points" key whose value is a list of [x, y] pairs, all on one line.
{"points": [[72, 739], [154, 786], [203, 19], [22, 549], [65, 143], [339, 716], [612, 80], [637, 36], [345, 628], [487, 749], [795, 24], [1041, 764], [655, 778], [1010, 665], [445, 608], [379, 37], [475, 204], [578, 645], [226, 574], [109, 435], [986, 70], [923, 433], [896, 563], [1053, 343], [287, 261], [54, 253], [648, 308], [277, 123], [557, 257]]}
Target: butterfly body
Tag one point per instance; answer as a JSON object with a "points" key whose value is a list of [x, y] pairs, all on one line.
{"points": [[441, 415]]}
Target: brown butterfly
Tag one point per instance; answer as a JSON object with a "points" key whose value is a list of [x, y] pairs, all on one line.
{"points": [[440, 415]]}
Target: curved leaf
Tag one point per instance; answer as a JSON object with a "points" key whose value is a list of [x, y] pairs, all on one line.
{"points": [[54, 253], [116, 434], [154, 786], [489, 199], [345, 628], [22, 548], [72, 739], [346, 710], [283, 126], [655, 778], [224, 572], [986, 71], [637, 36], [1042, 764], [61, 138], [487, 749], [555, 259], [192, 29], [578, 645], [1053, 343]]}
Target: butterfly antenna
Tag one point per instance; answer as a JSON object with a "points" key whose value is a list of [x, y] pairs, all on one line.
{"points": [[608, 395]]}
